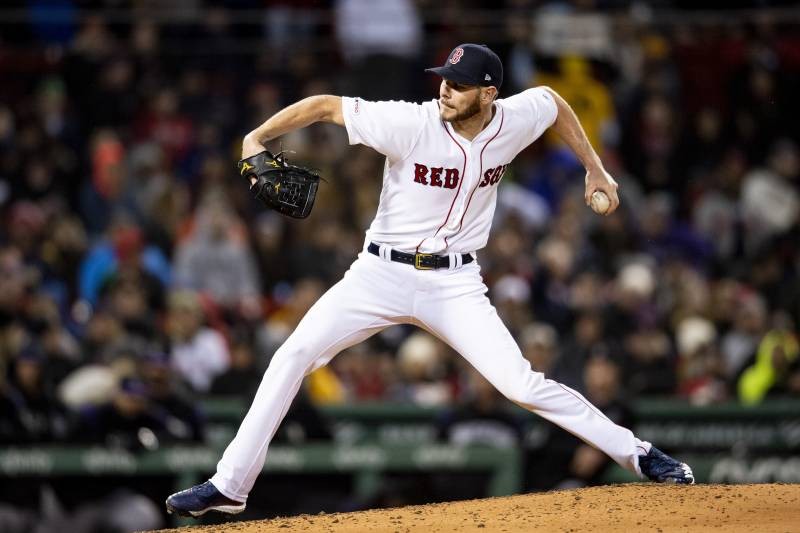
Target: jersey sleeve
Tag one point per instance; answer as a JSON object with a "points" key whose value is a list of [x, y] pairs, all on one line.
{"points": [[392, 128], [538, 109]]}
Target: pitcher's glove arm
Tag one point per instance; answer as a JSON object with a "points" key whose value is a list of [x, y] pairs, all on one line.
{"points": [[286, 188]]}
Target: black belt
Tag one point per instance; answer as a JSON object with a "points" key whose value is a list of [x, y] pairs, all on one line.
{"points": [[418, 260]]}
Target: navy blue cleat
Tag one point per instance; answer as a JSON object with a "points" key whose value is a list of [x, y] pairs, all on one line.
{"points": [[662, 468], [201, 499]]}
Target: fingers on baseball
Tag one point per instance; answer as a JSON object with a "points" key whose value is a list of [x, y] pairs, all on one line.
{"points": [[614, 197]]}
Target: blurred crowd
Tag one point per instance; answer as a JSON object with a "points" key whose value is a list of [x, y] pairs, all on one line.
{"points": [[136, 273]]}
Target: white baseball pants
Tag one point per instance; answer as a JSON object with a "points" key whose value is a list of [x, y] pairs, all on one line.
{"points": [[451, 304]]}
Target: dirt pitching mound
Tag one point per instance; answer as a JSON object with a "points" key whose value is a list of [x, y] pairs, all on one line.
{"points": [[630, 508]]}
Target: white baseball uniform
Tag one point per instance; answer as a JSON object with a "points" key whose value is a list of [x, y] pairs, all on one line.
{"points": [[439, 194]]}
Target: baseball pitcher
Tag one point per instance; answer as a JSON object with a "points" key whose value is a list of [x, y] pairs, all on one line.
{"points": [[419, 265]]}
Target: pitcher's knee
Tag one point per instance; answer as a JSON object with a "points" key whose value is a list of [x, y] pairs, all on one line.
{"points": [[299, 357], [522, 389]]}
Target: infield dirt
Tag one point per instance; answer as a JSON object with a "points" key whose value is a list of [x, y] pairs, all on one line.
{"points": [[632, 508]]}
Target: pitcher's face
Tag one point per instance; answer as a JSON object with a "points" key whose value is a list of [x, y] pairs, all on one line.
{"points": [[458, 102]]}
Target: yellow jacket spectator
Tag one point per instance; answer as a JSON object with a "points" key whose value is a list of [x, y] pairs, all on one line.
{"points": [[589, 98], [777, 351]]}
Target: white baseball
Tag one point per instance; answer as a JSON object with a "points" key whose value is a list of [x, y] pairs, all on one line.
{"points": [[600, 202]]}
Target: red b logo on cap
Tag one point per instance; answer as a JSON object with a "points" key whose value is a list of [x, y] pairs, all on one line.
{"points": [[457, 53]]}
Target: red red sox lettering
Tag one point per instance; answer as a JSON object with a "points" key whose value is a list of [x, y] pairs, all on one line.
{"points": [[448, 177], [493, 175], [439, 176]]}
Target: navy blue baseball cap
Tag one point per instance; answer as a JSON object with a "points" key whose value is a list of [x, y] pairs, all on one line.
{"points": [[472, 64]]}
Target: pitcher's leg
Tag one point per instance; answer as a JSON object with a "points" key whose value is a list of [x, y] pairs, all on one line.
{"points": [[303, 352], [470, 324], [348, 313]]}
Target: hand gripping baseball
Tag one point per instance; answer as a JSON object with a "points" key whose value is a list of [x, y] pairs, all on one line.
{"points": [[600, 181], [286, 188]]}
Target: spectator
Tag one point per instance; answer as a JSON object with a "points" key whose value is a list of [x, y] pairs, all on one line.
{"points": [[30, 412], [66, 244], [379, 40], [550, 294], [511, 297], [770, 201], [124, 247], [241, 379], [164, 123], [217, 259], [269, 247], [183, 421], [665, 237], [586, 340], [700, 365], [589, 97], [320, 256], [303, 423], [128, 421], [362, 375], [16, 281], [740, 343], [126, 295], [716, 215], [198, 353], [648, 362], [776, 365], [483, 418], [539, 344], [58, 346], [107, 192], [421, 364]]}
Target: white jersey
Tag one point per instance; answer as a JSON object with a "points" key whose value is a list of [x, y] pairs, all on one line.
{"points": [[439, 189]]}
